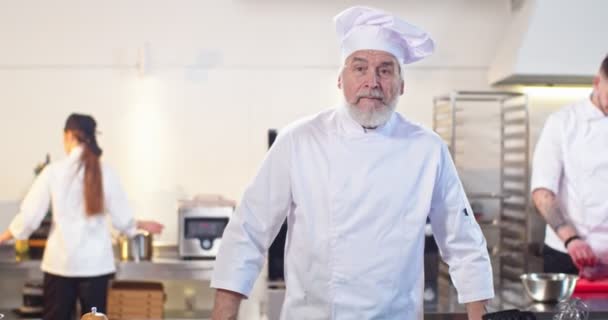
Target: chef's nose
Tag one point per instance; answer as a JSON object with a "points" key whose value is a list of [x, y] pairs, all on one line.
{"points": [[371, 80]]}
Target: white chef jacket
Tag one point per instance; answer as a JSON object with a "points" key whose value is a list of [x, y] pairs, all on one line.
{"points": [[77, 245], [356, 204], [571, 160]]}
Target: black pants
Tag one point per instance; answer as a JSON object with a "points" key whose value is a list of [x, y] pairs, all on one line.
{"points": [[557, 261], [61, 293]]}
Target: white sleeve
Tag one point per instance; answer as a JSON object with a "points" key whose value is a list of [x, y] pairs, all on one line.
{"points": [[256, 222], [460, 240], [34, 207], [117, 204], [547, 163]]}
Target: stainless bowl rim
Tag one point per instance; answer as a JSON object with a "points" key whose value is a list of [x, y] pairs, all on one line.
{"points": [[536, 276]]}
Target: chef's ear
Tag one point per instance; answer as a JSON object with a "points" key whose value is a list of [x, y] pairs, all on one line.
{"points": [[340, 72], [596, 81]]}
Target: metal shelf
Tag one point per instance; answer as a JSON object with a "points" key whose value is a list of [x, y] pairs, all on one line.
{"points": [[487, 195]]}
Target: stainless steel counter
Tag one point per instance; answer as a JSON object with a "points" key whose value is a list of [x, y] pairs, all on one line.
{"points": [[165, 268], [448, 308], [169, 315], [164, 265], [167, 265]]}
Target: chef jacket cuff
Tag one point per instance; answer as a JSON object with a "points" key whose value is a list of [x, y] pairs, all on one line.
{"points": [[473, 284], [242, 287], [476, 296], [131, 232], [131, 229], [18, 230], [549, 184]]}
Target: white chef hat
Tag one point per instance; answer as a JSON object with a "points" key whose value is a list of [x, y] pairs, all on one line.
{"points": [[364, 28]]}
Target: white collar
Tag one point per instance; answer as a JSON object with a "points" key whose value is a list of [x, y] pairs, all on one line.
{"points": [[591, 111]]}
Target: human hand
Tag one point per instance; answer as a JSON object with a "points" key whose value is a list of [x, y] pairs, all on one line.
{"points": [[581, 253], [597, 272], [150, 226], [5, 236]]}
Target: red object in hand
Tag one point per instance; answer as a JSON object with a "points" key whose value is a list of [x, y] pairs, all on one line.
{"points": [[597, 272], [581, 253], [593, 281]]}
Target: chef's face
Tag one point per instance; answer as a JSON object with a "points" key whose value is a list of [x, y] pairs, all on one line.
{"points": [[600, 92], [69, 141], [371, 82]]}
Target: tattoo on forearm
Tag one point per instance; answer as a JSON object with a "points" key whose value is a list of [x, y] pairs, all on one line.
{"points": [[551, 211], [555, 217]]}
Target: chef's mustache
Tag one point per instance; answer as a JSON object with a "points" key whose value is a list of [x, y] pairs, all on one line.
{"points": [[373, 93]]}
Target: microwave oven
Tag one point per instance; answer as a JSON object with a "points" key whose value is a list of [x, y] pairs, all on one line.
{"points": [[201, 229]]}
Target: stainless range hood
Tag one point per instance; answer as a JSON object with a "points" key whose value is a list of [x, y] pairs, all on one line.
{"points": [[552, 42]]}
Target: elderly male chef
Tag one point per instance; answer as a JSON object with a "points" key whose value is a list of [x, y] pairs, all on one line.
{"points": [[570, 180], [357, 183]]}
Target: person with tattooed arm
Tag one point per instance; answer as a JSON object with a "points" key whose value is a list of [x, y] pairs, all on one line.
{"points": [[570, 179]]}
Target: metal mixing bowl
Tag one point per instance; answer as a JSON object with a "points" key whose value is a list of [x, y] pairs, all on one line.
{"points": [[549, 287]]}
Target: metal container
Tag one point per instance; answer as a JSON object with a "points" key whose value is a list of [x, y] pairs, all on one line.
{"points": [[549, 287], [137, 247], [94, 315]]}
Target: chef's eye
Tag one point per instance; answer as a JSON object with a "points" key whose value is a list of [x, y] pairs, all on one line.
{"points": [[386, 72], [359, 69]]}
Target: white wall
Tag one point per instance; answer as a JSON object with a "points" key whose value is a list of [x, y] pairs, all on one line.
{"points": [[217, 75]]}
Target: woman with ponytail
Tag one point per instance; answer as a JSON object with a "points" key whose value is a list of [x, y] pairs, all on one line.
{"points": [[78, 261]]}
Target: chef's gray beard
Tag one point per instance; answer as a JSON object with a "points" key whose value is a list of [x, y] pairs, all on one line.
{"points": [[372, 118]]}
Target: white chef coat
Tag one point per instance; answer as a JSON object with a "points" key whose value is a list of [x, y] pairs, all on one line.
{"points": [[77, 245], [571, 160], [356, 204]]}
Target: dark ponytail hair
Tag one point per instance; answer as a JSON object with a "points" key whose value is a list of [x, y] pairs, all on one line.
{"points": [[83, 127], [604, 67]]}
